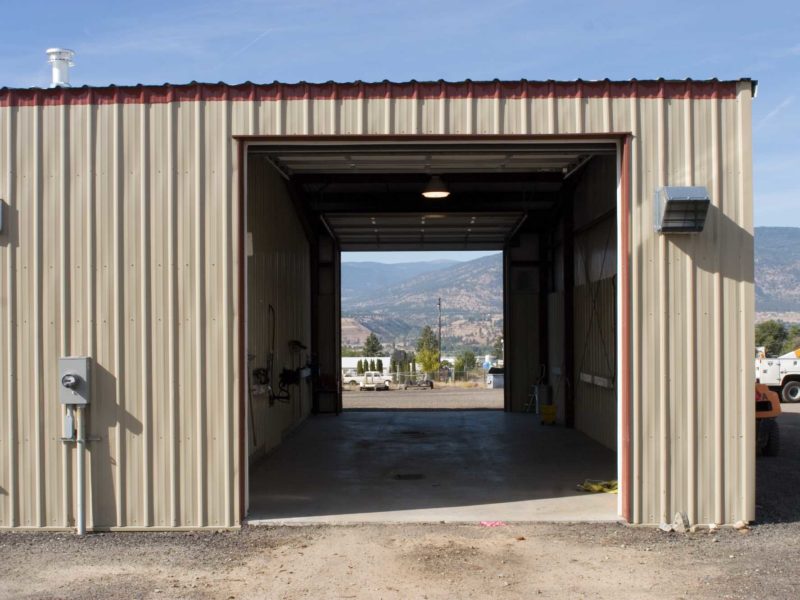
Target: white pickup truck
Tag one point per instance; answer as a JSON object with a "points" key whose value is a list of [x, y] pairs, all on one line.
{"points": [[781, 374], [371, 380]]}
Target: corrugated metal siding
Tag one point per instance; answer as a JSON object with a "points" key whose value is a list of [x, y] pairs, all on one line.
{"points": [[595, 361], [693, 435], [120, 247], [594, 299], [278, 275], [693, 316], [555, 342]]}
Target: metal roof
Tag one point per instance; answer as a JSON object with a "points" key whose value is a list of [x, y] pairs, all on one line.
{"points": [[418, 90]]}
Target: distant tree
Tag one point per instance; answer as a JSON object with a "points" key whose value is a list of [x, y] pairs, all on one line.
{"points": [[360, 367], [465, 361], [772, 335], [497, 347], [372, 346], [348, 351], [792, 339], [379, 365], [428, 359], [372, 364], [470, 362], [427, 340], [414, 366]]}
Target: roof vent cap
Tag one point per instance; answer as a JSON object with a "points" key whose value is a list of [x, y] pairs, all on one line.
{"points": [[61, 60]]}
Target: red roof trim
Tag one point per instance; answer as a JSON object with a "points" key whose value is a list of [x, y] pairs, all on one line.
{"points": [[159, 94]]}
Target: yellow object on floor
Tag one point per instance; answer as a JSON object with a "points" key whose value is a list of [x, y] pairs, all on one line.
{"points": [[548, 413], [597, 486]]}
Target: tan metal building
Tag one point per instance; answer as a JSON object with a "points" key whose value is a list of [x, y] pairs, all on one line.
{"points": [[168, 232]]}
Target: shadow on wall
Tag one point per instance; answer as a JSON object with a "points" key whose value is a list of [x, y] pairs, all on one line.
{"points": [[107, 421], [10, 220], [719, 247]]}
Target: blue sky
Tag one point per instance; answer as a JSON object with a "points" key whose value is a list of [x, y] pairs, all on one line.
{"points": [[264, 40]]}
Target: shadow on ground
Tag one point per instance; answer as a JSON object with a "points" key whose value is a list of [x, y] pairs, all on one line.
{"points": [[778, 477]]}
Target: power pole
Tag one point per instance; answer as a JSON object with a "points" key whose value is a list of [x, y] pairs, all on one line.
{"points": [[439, 368]]}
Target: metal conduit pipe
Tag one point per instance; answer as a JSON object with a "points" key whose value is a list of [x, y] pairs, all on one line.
{"points": [[80, 509], [74, 395]]}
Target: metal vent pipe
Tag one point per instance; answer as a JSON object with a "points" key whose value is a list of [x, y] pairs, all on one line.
{"points": [[61, 60]]}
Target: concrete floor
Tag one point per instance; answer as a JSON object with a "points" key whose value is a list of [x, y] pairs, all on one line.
{"points": [[417, 466]]}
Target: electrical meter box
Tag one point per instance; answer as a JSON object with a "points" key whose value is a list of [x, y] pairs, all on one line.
{"points": [[74, 381]]}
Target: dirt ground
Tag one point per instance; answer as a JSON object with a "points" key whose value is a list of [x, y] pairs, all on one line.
{"points": [[430, 561], [408, 561]]}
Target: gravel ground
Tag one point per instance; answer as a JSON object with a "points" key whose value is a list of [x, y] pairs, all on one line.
{"points": [[439, 398], [406, 561], [430, 561]]}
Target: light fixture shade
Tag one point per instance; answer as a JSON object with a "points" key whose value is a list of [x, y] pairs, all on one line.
{"points": [[436, 188]]}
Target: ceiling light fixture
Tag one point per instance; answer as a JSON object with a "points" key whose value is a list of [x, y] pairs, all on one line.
{"points": [[436, 188]]}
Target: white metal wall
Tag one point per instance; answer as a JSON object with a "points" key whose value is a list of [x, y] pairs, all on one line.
{"points": [[121, 244]]}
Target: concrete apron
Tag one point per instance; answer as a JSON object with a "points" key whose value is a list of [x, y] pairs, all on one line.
{"points": [[422, 467]]}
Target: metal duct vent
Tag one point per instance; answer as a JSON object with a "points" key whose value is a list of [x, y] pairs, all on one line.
{"points": [[60, 60], [681, 209]]}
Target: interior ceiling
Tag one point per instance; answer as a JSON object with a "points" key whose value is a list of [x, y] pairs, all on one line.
{"points": [[451, 230], [368, 195]]}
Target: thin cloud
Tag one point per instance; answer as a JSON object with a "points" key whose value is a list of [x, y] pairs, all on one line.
{"points": [[785, 103], [251, 43]]}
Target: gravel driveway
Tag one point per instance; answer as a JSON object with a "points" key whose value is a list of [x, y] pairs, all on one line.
{"points": [[430, 561]]}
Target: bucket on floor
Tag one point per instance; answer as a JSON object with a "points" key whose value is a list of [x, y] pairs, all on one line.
{"points": [[548, 414], [541, 392]]}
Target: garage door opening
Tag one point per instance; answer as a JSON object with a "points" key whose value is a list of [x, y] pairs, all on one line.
{"points": [[422, 330], [550, 209]]}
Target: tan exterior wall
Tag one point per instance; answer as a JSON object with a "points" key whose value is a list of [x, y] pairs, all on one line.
{"points": [[120, 247], [137, 204], [278, 276]]}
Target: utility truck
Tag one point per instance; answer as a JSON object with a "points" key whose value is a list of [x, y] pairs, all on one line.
{"points": [[781, 374]]}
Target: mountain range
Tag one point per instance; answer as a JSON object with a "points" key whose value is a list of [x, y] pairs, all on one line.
{"points": [[395, 300], [777, 269]]}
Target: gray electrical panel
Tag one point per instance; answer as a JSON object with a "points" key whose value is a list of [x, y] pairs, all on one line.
{"points": [[74, 381]]}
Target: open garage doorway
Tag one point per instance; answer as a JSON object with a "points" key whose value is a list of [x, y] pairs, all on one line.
{"points": [[550, 207], [422, 330]]}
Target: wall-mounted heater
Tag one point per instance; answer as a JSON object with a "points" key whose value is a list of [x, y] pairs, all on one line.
{"points": [[681, 209]]}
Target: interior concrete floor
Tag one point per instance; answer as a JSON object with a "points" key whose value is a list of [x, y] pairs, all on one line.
{"points": [[431, 466]]}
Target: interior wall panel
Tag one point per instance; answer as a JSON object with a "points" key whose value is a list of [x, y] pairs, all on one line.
{"points": [[556, 347], [278, 277]]}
